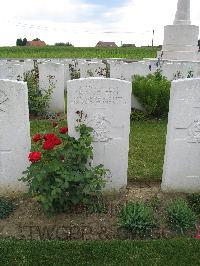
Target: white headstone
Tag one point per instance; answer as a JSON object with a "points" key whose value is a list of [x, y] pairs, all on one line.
{"points": [[92, 69], [11, 71], [126, 71], [182, 154], [28, 65], [180, 70], [107, 104], [51, 75], [67, 75], [14, 134]]}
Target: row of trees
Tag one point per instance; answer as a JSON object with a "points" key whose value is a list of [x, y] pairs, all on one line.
{"points": [[21, 42], [63, 44]]}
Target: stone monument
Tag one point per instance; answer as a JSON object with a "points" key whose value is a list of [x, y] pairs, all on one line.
{"points": [[181, 38]]}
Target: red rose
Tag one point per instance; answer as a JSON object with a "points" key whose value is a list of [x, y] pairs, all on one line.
{"points": [[63, 130], [48, 145], [197, 236], [35, 156], [57, 141], [50, 141], [49, 136], [55, 124], [37, 137]]}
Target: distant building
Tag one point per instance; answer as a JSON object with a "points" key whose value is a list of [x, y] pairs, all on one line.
{"points": [[35, 43], [106, 44], [128, 45]]}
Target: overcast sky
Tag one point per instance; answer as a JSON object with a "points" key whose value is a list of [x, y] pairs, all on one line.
{"points": [[85, 22]]}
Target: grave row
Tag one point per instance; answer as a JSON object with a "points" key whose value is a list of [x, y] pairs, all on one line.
{"points": [[55, 73], [107, 105]]}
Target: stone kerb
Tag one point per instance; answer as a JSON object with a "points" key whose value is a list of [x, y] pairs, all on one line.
{"points": [[14, 134], [181, 172], [52, 75], [106, 107]]}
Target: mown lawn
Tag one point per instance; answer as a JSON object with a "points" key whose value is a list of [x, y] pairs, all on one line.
{"points": [[77, 52], [147, 147], [183, 252]]}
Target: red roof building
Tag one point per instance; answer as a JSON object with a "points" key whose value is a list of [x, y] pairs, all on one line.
{"points": [[35, 43]]}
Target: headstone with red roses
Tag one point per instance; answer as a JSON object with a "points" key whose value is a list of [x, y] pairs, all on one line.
{"points": [[105, 105], [14, 134], [51, 75], [182, 154]]}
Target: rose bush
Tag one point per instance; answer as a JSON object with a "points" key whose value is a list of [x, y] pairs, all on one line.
{"points": [[60, 174]]}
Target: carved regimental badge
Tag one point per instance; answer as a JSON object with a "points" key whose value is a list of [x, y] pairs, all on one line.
{"points": [[3, 101], [194, 132], [102, 128]]}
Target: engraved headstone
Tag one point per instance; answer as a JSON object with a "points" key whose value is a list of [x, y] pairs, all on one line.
{"points": [[106, 107], [92, 69], [14, 134], [180, 70], [182, 154], [11, 71], [51, 75]]}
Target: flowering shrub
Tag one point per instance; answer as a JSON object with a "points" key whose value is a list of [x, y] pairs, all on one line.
{"points": [[60, 175], [38, 100]]}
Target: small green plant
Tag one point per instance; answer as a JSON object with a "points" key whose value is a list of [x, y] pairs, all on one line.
{"points": [[6, 207], [194, 202], [137, 115], [38, 99], [180, 217], [138, 218], [74, 71], [61, 175], [155, 202], [153, 93]]}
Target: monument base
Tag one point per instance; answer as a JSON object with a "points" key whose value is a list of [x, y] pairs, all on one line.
{"points": [[180, 42]]}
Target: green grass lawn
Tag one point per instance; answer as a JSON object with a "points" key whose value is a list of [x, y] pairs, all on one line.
{"points": [[183, 252], [147, 147], [77, 52]]}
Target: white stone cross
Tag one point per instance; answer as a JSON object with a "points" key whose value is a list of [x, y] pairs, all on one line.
{"points": [[183, 13]]}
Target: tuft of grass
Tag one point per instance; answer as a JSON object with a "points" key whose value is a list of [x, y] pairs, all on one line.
{"points": [[6, 207], [180, 217], [138, 218]]}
